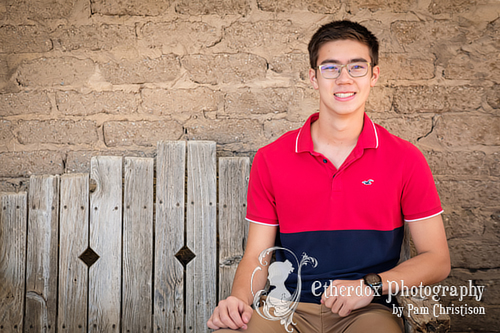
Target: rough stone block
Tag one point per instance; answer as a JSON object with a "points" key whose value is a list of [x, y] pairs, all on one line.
{"points": [[271, 37], [437, 99], [65, 71], [315, 6], [464, 222], [5, 132], [487, 322], [408, 127], [140, 133], [240, 134], [205, 7], [225, 68], [193, 36], [380, 99], [397, 6], [475, 253], [492, 223], [79, 161], [163, 69], [4, 70], [450, 6], [34, 10], [276, 128], [181, 103], [493, 96], [291, 64], [468, 130], [27, 163], [112, 102], [424, 35], [465, 66], [32, 102], [469, 193], [463, 163], [489, 278], [387, 41], [399, 66], [130, 7], [268, 101], [94, 37], [24, 39], [57, 132], [14, 184]]}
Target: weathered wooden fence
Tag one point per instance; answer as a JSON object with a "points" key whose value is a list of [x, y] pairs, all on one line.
{"points": [[123, 249]]}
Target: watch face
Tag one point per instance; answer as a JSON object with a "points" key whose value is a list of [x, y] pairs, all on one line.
{"points": [[373, 279]]}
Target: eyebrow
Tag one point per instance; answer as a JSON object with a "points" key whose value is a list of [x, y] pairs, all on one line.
{"points": [[333, 61]]}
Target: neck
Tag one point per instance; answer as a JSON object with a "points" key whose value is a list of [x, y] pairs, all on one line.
{"points": [[336, 137], [337, 131]]}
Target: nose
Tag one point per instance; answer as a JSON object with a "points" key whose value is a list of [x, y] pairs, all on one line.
{"points": [[344, 75]]}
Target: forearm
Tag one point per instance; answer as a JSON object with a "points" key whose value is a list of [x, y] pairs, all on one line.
{"points": [[243, 284], [425, 268]]}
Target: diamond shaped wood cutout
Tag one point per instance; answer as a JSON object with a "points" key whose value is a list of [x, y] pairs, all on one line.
{"points": [[185, 255], [89, 257]]}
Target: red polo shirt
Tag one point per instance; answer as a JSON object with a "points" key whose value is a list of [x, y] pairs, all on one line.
{"points": [[350, 219]]}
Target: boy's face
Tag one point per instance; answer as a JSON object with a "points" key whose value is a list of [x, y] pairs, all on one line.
{"points": [[345, 94]]}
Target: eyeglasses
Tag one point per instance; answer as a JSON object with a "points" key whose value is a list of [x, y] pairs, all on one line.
{"points": [[355, 69]]}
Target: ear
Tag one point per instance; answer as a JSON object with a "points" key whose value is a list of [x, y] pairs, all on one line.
{"points": [[375, 76], [313, 78]]}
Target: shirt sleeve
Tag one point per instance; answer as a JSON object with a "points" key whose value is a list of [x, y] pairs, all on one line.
{"points": [[420, 199], [261, 204]]}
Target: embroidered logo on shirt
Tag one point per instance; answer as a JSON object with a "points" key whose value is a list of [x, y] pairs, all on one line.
{"points": [[367, 182]]}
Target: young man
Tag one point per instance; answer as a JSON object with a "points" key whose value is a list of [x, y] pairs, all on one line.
{"points": [[339, 189]]}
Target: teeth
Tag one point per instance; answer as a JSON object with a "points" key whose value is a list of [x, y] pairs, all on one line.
{"points": [[344, 95]]}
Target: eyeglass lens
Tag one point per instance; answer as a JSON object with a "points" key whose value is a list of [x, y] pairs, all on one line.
{"points": [[355, 69]]}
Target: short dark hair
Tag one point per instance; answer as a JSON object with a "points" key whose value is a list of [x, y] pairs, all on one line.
{"points": [[341, 30]]}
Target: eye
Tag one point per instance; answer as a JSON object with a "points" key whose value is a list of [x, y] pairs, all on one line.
{"points": [[358, 66], [330, 68]]}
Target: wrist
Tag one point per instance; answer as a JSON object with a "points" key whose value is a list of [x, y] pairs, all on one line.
{"points": [[374, 282]]}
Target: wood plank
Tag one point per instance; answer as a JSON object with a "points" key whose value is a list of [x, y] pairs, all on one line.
{"points": [[138, 245], [106, 241], [12, 260], [41, 270], [169, 237], [234, 173], [73, 241], [201, 272]]}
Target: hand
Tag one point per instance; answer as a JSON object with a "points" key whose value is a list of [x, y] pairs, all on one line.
{"points": [[343, 296], [231, 313]]}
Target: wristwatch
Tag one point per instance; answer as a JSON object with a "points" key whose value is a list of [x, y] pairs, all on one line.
{"points": [[374, 281]]}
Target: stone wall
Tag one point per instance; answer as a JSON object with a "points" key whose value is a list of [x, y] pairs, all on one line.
{"points": [[91, 77]]}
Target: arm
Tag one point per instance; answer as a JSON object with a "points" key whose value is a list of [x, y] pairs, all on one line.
{"points": [[432, 262], [235, 311], [430, 265]]}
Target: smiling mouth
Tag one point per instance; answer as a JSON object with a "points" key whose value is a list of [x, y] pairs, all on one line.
{"points": [[344, 95]]}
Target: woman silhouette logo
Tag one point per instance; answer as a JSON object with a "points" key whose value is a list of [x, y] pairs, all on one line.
{"points": [[279, 304]]}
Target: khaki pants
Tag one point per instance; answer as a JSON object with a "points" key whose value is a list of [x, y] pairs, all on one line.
{"points": [[317, 318]]}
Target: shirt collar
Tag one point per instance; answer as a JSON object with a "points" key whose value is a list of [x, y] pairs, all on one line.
{"points": [[367, 139]]}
